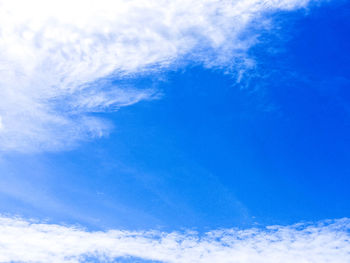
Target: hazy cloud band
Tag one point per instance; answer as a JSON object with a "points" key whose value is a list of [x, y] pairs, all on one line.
{"points": [[327, 241]]}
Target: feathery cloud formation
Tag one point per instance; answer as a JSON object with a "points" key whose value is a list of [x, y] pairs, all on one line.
{"points": [[57, 58], [25, 241]]}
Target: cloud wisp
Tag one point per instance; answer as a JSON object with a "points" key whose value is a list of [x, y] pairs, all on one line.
{"points": [[52, 54], [25, 241]]}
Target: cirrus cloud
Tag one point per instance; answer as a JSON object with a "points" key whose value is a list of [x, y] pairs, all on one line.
{"points": [[52, 54]]}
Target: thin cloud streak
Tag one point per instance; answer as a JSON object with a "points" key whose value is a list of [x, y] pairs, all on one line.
{"points": [[52, 54], [25, 241]]}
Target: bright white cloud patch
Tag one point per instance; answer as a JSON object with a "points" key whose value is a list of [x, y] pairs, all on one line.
{"points": [[53, 52], [24, 241]]}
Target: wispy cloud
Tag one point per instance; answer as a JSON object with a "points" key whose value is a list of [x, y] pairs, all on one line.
{"points": [[52, 54], [25, 241]]}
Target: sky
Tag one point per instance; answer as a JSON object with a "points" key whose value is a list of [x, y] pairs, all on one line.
{"points": [[175, 131]]}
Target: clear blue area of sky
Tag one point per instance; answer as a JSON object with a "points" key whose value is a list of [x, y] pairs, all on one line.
{"points": [[211, 152]]}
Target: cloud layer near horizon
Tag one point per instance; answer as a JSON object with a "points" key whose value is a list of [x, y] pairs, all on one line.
{"points": [[25, 241], [57, 58]]}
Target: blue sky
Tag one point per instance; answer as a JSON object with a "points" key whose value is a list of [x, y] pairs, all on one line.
{"points": [[248, 131]]}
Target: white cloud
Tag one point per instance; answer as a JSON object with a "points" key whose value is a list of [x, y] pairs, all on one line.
{"points": [[25, 241], [53, 52]]}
